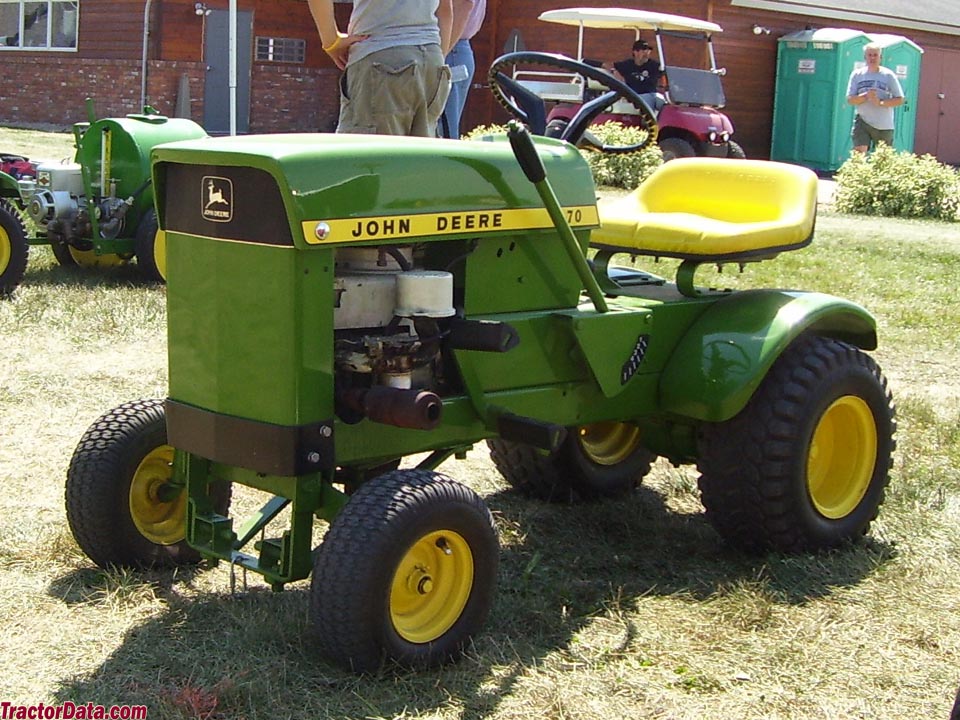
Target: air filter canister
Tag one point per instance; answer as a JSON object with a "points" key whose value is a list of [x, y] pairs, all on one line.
{"points": [[425, 293]]}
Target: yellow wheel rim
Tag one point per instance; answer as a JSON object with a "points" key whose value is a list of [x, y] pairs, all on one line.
{"points": [[431, 586], [6, 249], [842, 456], [160, 253], [88, 258], [609, 443], [158, 509]]}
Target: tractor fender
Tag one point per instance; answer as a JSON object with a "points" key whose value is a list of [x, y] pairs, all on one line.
{"points": [[725, 354], [9, 187]]}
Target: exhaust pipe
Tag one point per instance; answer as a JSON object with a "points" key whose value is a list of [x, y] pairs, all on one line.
{"points": [[412, 409]]}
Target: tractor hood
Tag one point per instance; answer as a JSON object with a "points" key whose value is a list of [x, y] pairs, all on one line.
{"points": [[366, 189]]}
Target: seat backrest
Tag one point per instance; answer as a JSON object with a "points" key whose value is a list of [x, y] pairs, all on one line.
{"points": [[690, 86], [730, 190]]}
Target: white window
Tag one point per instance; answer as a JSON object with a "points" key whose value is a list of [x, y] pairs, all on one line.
{"points": [[289, 50], [38, 24]]}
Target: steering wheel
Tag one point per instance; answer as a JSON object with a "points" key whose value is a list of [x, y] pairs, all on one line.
{"points": [[530, 108]]}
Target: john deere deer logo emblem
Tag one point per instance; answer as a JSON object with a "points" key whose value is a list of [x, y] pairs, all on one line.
{"points": [[216, 198]]}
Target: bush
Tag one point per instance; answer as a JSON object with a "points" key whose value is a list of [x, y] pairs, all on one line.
{"points": [[897, 184], [626, 170]]}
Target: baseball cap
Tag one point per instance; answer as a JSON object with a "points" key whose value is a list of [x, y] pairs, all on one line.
{"points": [[642, 45]]}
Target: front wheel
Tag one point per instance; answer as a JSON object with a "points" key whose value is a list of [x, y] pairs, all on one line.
{"points": [[673, 148], [14, 250], [601, 460], [735, 152], [804, 466], [123, 507], [406, 573]]}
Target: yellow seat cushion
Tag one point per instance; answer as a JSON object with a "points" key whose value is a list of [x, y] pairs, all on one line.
{"points": [[713, 209]]}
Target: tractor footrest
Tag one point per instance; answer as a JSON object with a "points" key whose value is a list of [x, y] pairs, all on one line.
{"points": [[629, 277], [546, 436], [482, 335]]}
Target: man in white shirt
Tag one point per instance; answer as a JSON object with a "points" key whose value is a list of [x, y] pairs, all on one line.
{"points": [[874, 91]]}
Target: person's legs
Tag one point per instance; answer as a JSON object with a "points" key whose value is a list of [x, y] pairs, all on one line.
{"points": [[396, 91], [462, 66], [882, 136], [435, 88], [860, 135]]}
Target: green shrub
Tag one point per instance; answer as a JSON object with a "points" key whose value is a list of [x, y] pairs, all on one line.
{"points": [[626, 170], [897, 184]]}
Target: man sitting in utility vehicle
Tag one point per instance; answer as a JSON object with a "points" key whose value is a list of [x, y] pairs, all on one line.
{"points": [[640, 72]]}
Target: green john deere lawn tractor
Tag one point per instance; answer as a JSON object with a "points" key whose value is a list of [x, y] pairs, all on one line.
{"points": [[337, 303]]}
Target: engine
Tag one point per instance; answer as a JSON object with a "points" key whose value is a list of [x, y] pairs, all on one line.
{"points": [[62, 213], [389, 319]]}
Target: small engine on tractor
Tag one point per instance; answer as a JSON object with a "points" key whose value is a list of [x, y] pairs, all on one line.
{"points": [[338, 304], [96, 210]]}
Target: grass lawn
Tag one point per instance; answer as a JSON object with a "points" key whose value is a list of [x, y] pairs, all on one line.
{"points": [[626, 609]]}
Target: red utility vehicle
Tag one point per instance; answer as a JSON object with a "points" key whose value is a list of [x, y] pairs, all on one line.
{"points": [[690, 120]]}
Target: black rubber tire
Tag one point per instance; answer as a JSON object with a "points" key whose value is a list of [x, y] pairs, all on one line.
{"points": [[760, 470], [735, 152], [673, 148], [14, 250], [145, 248], [62, 254], [99, 482], [352, 592], [569, 474], [555, 128]]}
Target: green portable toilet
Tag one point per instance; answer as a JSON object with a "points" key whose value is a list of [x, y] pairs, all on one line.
{"points": [[811, 117], [903, 56]]}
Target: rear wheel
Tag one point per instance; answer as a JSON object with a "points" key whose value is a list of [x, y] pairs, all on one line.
{"points": [[735, 151], [602, 460], [122, 506], [804, 466], [14, 250], [150, 247], [673, 148], [406, 573]]}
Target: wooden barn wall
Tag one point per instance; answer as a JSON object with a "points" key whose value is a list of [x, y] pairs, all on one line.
{"points": [[108, 29], [304, 97]]}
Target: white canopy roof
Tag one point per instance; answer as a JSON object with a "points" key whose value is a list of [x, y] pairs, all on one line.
{"points": [[627, 19]]}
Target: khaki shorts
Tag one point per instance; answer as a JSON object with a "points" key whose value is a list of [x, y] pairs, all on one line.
{"points": [[395, 91], [863, 133]]}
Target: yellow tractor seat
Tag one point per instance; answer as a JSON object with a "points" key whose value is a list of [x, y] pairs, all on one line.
{"points": [[712, 210]]}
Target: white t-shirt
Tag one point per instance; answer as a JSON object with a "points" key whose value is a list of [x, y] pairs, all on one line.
{"points": [[393, 23], [885, 82]]}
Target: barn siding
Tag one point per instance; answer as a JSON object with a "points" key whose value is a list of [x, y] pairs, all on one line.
{"points": [[286, 97]]}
